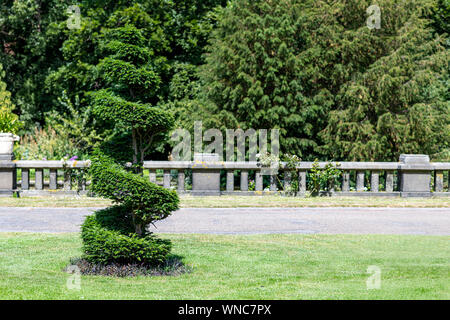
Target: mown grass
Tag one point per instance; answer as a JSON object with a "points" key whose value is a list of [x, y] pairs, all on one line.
{"points": [[240, 267], [293, 202], [241, 201]]}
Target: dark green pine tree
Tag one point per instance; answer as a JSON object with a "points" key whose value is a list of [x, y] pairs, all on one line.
{"points": [[440, 17], [336, 88], [400, 102], [131, 79], [252, 74]]}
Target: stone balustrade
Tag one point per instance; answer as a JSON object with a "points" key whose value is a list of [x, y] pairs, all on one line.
{"points": [[413, 175], [30, 177], [409, 177]]}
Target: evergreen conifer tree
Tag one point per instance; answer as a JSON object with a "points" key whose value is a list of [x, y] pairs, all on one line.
{"points": [[335, 88]]}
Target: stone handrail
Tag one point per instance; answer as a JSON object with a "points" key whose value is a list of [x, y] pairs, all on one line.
{"points": [[302, 165], [50, 164]]}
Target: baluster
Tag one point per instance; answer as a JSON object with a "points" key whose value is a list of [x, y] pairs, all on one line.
{"points": [[25, 179], [359, 181], [287, 181], [258, 181], [302, 182], [39, 179], [83, 187], [152, 175], [53, 179], [166, 181], [230, 180], [438, 181], [81, 181], [374, 181], [244, 180], [181, 177], [14, 179], [389, 177], [346, 181], [273, 182], [447, 173], [67, 180]]}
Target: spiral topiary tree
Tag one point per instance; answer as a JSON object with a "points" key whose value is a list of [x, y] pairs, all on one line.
{"points": [[131, 78], [120, 234]]}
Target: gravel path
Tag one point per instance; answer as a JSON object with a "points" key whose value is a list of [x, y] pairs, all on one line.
{"points": [[421, 221]]}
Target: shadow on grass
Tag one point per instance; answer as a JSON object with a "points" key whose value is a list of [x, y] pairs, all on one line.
{"points": [[173, 266]]}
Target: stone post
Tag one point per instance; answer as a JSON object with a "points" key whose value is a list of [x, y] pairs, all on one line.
{"points": [[230, 180], [181, 177], [439, 181], [287, 181], [389, 178], [258, 181], [346, 181], [302, 182], [8, 174], [244, 180], [360, 180], [205, 182], [374, 181], [415, 175]]}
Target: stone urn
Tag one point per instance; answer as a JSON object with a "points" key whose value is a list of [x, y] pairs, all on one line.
{"points": [[7, 145]]}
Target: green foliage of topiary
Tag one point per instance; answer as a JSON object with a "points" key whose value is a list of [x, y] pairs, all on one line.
{"points": [[128, 75], [131, 81], [108, 238], [125, 113], [115, 218], [118, 147], [120, 234], [146, 201]]}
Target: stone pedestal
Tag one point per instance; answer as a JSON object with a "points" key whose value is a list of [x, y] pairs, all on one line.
{"points": [[8, 178], [415, 175], [205, 182], [8, 174]]}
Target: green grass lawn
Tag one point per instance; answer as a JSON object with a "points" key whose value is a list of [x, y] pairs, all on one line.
{"points": [[240, 267], [241, 201]]}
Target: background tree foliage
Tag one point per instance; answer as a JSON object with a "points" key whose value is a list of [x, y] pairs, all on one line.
{"points": [[398, 103], [255, 75], [31, 33], [334, 87], [44, 58], [9, 121], [441, 17]]}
